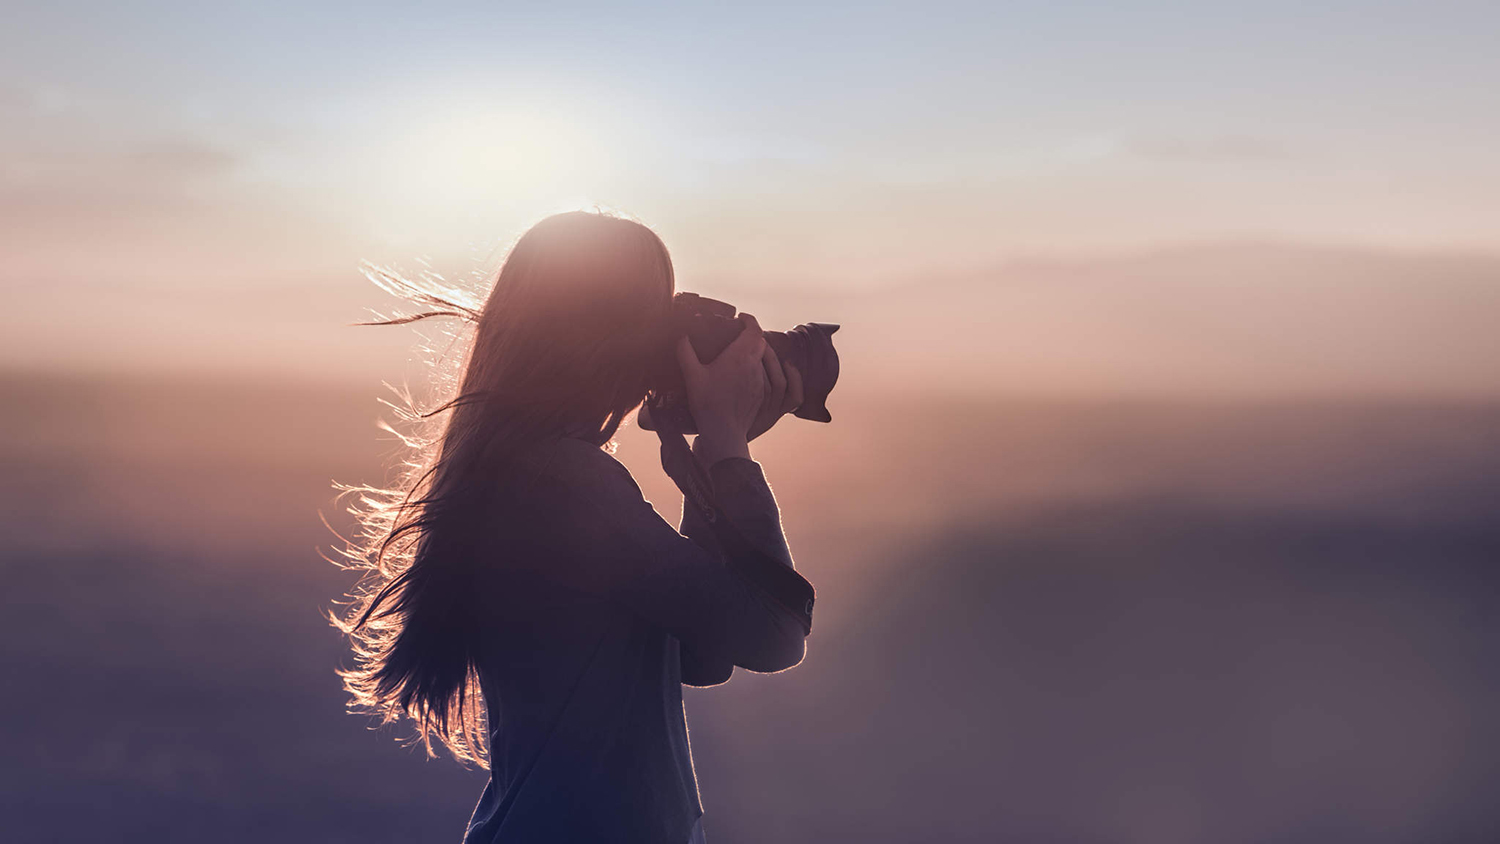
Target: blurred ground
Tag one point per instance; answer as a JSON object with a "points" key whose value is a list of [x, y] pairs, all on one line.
{"points": [[1111, 622]]}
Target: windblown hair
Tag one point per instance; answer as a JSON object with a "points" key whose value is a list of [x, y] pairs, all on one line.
{"points": [[563, 345]]}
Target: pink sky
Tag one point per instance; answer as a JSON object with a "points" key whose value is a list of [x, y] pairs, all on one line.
{"points": [[1170, 198]]}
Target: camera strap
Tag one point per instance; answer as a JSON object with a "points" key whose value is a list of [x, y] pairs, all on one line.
{"points": [[777, 579]]}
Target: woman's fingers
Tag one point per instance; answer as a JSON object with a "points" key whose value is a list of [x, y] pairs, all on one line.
{"points": [[743, 391], [783, 392], [750, 342]]}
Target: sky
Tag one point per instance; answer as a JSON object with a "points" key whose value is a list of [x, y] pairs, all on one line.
{"points": [[189, 184]]}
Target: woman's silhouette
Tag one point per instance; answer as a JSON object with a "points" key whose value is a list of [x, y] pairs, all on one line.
{"points": [[523, 604]]}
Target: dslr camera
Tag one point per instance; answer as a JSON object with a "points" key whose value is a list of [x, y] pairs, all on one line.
{"points": [[711, 325]]}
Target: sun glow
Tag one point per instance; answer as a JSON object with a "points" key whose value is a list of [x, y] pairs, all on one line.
{"points": [[468, 169]]}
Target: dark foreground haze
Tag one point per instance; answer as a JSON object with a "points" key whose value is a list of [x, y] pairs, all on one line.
{"points": [[1037, 622]]}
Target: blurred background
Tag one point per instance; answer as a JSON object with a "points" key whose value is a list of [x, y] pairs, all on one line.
{"points": [[1160, 501]]}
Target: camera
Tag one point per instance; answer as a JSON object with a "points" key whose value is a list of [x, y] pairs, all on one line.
{"points": [[711, 325]]}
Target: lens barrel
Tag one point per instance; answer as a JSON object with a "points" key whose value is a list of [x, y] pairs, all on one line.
{"points": [[809, 347]]}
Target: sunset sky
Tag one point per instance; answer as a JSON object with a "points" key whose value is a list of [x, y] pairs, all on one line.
{"points": [[1159, 500], [186, 185]]}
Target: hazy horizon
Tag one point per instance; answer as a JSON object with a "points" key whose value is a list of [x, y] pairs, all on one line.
{"points": [[1231, 321], [1036, 621]]}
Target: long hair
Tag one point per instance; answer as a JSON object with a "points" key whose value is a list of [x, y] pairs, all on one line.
{"points": [[562, 345]]}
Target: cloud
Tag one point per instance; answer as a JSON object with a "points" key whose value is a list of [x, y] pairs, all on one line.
{"points": [[183, 158], [1240, 320], [1213, 149], [1168, 149], [62, 171]]}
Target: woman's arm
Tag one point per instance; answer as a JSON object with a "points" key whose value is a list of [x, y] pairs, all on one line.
{"points": [[747, 500], [718, 607], [609, 542], [734, 401]]}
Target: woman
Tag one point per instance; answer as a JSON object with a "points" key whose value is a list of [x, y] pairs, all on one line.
{"points": [[523, 604]]}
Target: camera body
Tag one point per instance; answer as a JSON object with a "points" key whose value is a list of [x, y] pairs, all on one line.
{"points": [[711, 325]]}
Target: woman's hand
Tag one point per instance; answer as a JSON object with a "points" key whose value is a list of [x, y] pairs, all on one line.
{"points": [[726, 396]]}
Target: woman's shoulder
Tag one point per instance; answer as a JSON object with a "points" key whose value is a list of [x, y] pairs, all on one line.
{"points": [[573, 464], [569, 493], [581, 456]]}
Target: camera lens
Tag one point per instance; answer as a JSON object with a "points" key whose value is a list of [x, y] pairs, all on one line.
{"points": [[809, 347]]}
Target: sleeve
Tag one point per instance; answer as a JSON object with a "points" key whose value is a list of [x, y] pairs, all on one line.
{"points": [[743, 494], [615, 546]]}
